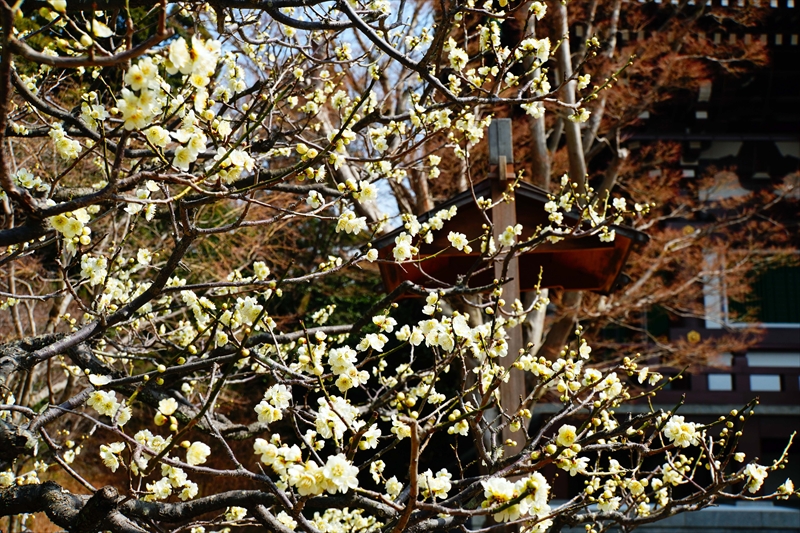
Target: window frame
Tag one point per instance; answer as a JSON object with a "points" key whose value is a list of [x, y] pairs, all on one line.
{"points": [[715, 299]]}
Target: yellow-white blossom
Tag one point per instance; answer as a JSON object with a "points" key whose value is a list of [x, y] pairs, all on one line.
{"points": [[197, 453], [682, 433], [566, 435], [756, 474], [168, 406]]}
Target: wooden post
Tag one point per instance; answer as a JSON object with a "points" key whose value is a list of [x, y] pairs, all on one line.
{"points": [[504, 214]]}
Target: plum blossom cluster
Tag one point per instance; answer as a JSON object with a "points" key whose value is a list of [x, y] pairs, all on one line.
{"points": [[276, 399], [337, 475], [527, 496], [106, 404], [73, 225]]}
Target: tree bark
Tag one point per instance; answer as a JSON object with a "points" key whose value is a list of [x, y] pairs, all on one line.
{"points": [[577, 163]]}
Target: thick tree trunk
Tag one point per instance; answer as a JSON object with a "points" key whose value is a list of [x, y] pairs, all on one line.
{"points": [[577, 164]]}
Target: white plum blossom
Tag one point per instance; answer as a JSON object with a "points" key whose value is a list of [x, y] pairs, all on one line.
{"points": [[458, 58], [756, 474], [682, 433], [385, 323], [104, 402], [403, 250], [370, 438], [436, 486], [167, 406], [376, 341], [110, 454], [459, 241], [99, 381], [393, 487], [401, 429], [197, 453], [276, 399], [289, 522], [334, 417], [261, 270], [349, 223], [509, 235], [315, 199], [539, 48], [340, 474], [235, 513], [538, 9], [534, 109], [160, 489], [67, 148], [566, 435], [585, 350]]}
